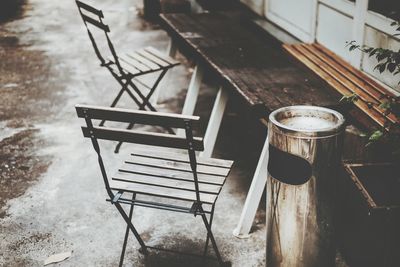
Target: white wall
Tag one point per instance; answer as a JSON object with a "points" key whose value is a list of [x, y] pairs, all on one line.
{"points": [[333, 30]]}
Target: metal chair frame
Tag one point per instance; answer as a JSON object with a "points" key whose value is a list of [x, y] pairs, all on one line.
{"points": [[123, 77], [188, 143]]}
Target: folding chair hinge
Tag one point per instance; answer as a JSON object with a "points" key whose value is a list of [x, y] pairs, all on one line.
{"points": [[195, 208], [116, 197]]}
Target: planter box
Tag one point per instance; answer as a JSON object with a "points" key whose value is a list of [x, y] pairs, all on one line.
{"points": [[369, 214]]}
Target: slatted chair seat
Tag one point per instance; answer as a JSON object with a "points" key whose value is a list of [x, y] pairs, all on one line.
{"points": [[169, 175], [143, 61], [177, 182]]}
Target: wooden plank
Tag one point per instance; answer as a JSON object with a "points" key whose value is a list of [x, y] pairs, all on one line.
{"points": [[185, 158], [356, 72], [134, 63], [335, 84], [153, 58], [369, 95], [141, 137], [172, 174], [361, 88], [341, 66], [160, 55], [176, 165], [161, 192], [153, 66], [137, 116], [338, 75], [165, 182], [129, 68], [245, 63]]}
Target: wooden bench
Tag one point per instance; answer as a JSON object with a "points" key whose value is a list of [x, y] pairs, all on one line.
{"points": [[249, 67], [347, 80]]}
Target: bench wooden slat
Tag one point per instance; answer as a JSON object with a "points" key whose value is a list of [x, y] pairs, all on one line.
{"points": [[341, 77], [140, 137], [160, 55], [337, 80], [363, 89], [161, 192], [172, 174], [185, 158], [166, 182], [362, 76], [176, 165], [136, 116], [358, 84]]}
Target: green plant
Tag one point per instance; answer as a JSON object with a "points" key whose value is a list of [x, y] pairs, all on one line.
{"points": [[388, 61]]}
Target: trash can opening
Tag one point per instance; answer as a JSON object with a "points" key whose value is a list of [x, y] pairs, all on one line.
{"points": [[288, 168], [308, 119]]}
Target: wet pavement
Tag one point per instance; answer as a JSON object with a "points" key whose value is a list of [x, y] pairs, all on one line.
{"points": [[52, 198]]}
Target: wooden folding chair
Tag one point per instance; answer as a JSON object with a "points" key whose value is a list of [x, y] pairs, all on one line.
{"points": [[127, 67], [192, 184]]}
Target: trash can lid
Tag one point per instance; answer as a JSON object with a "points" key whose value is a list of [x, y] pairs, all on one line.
{"points": [[307, 121]]}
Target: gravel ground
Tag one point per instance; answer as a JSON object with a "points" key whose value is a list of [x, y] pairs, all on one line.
{"points": [[51, 193]]}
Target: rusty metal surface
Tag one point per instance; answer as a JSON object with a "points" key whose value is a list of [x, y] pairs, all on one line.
{"points": [[299, 216]]}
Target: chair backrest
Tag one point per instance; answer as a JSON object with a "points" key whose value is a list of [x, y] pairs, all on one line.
{"points": [[138, 117], [192, 144], [92, 16]]}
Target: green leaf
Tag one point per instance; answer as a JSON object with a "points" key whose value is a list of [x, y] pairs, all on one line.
{"points": [[375, 136], [349, 98], [391, 67], [385, 105], [373, 52], [368, 50], [380, 57]]}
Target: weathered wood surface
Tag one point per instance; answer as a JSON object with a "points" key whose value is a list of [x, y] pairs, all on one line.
{"points": [[259, 72], [345, 79]]}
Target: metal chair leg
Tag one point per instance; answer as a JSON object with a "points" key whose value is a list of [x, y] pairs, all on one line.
{"points": [[214, 244], [121, 260], [208, 236], [130, 225]]}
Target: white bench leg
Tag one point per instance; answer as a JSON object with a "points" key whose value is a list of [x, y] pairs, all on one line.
{"points": [[254, 196], [171, 49], [192, 94], [215, 122]]}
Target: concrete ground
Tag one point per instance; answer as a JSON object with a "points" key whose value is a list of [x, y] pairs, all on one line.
{"points": [[52, 198]]}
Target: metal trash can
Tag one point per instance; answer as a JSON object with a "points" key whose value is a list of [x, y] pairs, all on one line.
{"points": [[304, 155]]}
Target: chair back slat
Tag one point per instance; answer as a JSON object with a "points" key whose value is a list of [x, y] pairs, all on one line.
{"points": [[96, 23], [140, 137], [90, 9], [135, 116], [93, 16]]}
